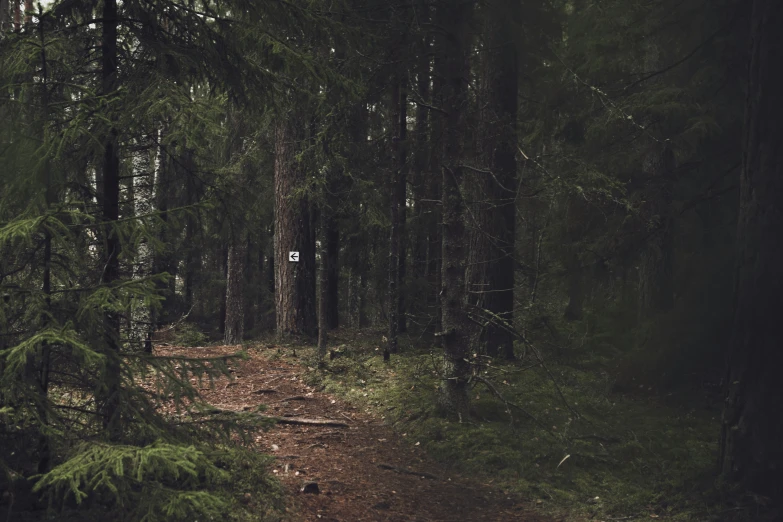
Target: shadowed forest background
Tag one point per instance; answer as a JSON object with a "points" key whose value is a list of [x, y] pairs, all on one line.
{"points": [[542, 238]]}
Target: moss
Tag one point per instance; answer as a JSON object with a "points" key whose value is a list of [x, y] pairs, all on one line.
{"points": [[621, 456]]}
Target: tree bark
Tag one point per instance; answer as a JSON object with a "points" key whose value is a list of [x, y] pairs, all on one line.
{"points": [[751, 452], [323, 286], [294, 281], [333, 273], [222, 266], [454, 17], [235, 281], [394, 234]]}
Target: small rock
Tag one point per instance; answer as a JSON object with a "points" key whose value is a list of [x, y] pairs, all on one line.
{"points": [[382, 505], [311, 487]]}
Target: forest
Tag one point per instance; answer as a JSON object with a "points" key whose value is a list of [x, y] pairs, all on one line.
{"points": [[391, 260]]}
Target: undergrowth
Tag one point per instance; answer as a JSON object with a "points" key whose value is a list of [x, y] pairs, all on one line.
{"points": [[590, 453]]}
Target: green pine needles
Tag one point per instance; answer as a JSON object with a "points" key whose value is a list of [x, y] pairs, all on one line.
{"points": [[91, 165]]}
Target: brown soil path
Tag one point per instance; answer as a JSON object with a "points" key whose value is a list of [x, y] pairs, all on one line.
{"points": [[350, 463]]}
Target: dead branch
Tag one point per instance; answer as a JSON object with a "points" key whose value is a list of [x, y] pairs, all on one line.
{"points": [[308, 422], [285, 420]]}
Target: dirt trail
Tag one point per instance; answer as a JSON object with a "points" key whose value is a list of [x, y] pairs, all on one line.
{"points": [[351, 464]]}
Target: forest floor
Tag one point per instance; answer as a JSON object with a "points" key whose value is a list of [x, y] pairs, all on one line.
{"points": [[572, 448], [364, 471]]}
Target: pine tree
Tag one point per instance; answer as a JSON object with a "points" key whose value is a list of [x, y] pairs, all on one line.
{"points": [[493, 219], [454, 17], [69, 240]]}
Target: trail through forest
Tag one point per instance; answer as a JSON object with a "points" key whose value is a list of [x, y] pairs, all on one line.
{"points": [[364, 471]]}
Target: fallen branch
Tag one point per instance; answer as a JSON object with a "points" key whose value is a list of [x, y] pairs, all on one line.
{"points": [[287, 420], [309, 422], [265, 390], [408, 472]]}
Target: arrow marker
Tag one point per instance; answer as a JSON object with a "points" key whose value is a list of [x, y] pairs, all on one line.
{"points": [[293, 256]]}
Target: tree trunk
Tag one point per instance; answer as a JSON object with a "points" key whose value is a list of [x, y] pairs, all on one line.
{"points": [[751, 452], [44, 448], [192, 253], [255, 281], [163, 259], [454, 17], [435, 230], [493, 234], [419, 182], [270, 268], [222, 266], [5, 16], [401, 194], [235, 282], [294, 281], [333, 273], [354, 284], [503, 97], [394, 217], [17, 15], [656, 276], [323, 286], [108, 396]]}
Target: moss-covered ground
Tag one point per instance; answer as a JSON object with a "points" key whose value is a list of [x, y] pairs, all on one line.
{"points": [[578, 450]]}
